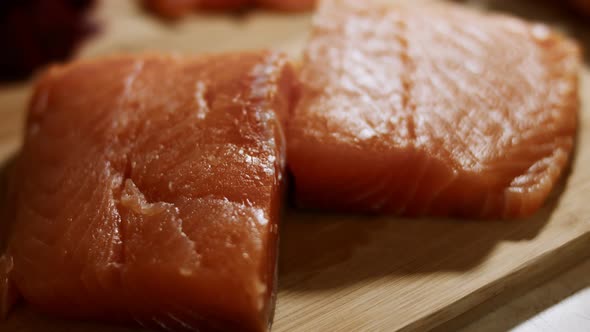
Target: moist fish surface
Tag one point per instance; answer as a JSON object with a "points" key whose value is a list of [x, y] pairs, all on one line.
{"points": [[148, 191], [431, 110]]}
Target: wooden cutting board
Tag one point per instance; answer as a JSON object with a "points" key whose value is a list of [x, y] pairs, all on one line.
{"points": [[351, 273]]}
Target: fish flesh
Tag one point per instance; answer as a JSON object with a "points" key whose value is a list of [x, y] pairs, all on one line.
{"points": [[431, 110], [148, 191], [178, 8]]}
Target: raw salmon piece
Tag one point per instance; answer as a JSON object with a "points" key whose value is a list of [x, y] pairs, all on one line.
{"points": [[149, 190], [431, 110]]}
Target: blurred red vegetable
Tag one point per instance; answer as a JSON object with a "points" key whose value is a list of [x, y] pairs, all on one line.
{"points": [[36, 32], [288, 5], [178, 8], [584, 5]]}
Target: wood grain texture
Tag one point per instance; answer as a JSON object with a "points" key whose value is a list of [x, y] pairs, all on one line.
{"points": [[563, 304], [352, 273]]}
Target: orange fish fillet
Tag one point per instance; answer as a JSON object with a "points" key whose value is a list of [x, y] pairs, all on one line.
{"points": [[149, 191], [431, 110]]}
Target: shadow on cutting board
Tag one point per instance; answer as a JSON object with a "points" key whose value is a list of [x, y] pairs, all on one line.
{"points": [[26, 320], [323, 251]]}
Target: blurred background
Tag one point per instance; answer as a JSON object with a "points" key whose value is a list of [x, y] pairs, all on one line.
{"points": [[35, 33]]}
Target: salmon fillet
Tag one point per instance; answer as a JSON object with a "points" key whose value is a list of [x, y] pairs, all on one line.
{"points": [[431, 110], [149, 190]]}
